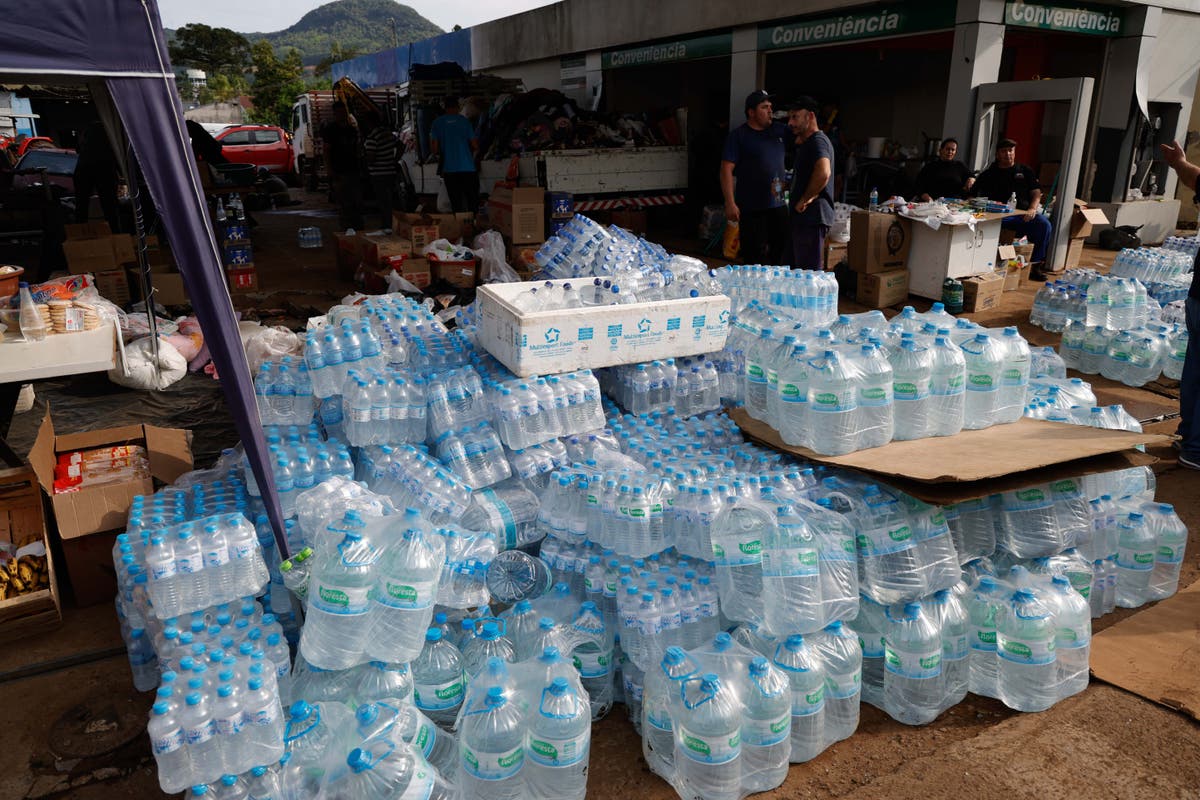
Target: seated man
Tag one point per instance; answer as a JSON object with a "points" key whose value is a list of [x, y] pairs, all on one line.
{"points": [[1004, 178], [945, 177]]}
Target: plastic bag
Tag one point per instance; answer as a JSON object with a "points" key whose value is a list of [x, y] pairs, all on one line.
{"points": [[398, 283], [272, 344], [445, 251], [493, 267], [142, 372]]}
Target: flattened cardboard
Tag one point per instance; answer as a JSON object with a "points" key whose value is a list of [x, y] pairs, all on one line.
{"points": [[1018, 453], [1154, 654], [105, 507]]}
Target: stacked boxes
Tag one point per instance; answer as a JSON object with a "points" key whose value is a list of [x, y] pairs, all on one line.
{"points": [[237, 254], [878, 252]]}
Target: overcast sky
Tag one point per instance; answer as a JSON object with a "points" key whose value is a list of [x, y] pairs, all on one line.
{"points": [[266, 16]]}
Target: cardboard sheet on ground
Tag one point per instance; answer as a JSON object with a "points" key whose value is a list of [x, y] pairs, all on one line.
{"points": [[971, 464], [1156, 653]]}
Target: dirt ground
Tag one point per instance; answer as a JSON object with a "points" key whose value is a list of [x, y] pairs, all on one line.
{"points": [[74, 726]]}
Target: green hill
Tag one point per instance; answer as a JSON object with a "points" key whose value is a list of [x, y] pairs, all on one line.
{"points": [[362, 25]]}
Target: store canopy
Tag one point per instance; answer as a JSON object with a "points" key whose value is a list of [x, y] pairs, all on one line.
{"points": [[118, 49]]}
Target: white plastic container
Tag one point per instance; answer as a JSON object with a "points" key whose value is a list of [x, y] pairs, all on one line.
{"points": [[551, 342]]}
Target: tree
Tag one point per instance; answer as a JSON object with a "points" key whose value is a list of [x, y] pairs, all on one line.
{"points": [[276, 83], [223, 88], [337, 53], [214, 50]]}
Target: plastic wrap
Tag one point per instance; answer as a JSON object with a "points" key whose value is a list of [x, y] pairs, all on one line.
{"points": [[143, 372], [272, 344], [493, 267]]}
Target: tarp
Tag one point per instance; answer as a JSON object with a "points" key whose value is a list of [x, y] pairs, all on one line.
{"points": [[117, 47], [390, 67]]}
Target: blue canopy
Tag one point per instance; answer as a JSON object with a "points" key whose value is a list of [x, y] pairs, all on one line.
{"points": [[118, 49]]}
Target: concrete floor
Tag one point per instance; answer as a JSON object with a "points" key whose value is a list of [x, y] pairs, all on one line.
{"points": [[75, 725]]}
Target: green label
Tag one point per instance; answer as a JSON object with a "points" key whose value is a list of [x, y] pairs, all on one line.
{"points": [[751, 548], [790, 390], [1063, 486], [449, 692], [1030, 495], [780, 726], [812, 698], [1091, 20], [874, 393], [697, 745], [808, 557], [1143, 558], [470, 758], [988, 637], [718, 44], [901, 534], [825, 398], [755, 370], [402, 591], [894, 20], [334, 597], [980, 380], [929, 662], [905, 387], [512, 758], [1018, 649], [543, 748]]}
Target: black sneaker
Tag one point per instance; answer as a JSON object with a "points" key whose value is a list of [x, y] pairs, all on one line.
{"points": [[1188, 463]]}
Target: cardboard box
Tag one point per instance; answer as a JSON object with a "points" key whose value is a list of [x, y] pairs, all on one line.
{"points": [[462, 274], [1074, 255], [520, 256], [416, 271], [882, 289], [234, 232], [105, 508], [113, 284], [243, 279], [1015, 276], [551, 342], [378, 249], [89, 255], [560, 205], [420, 229], [169, 289], [123, 249], [22, 524], [1083, 218], [238, 254], [87, 230], [349, 255], [631, 219], [518, 212], [878, 242], [835, 253], [981, 292]]}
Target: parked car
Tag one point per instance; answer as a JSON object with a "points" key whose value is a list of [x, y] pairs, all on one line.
{"points": [[59, 166], [261, 145]]}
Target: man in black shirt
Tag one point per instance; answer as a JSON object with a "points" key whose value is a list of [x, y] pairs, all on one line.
{"points": [[1189, 381], [812, 186], [946, 177], [343, 159], [1004, 178]]}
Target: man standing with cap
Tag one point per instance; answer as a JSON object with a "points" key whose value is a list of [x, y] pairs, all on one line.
{"points": [[752, 181], [812, 185]]}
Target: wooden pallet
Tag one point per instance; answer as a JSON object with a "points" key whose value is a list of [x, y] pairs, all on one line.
{"points": [[22, 520]]}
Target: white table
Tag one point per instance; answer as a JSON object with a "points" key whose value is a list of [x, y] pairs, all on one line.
{"points": [[59, 354], [952, 251]]}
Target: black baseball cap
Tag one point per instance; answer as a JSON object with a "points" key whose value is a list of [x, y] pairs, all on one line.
{"points": [[1006, 143], [804, 103], [756, 97]]}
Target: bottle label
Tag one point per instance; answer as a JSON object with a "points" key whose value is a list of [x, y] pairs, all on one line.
{"points": [[438, 696], [790, 393], [265, 716], [980, 382], [1135, 559], [230, 726], [755, 372], [874, 396], [340, 599], [738, 554], [200, 734], [709, 749], [660, 719], [550, 752], [772, 377], [884, 540], [1071, 638], [823, 402], [1031, 499], [766, 732], [843, 685], [167, 743], [809, 701], [689, 615], [910, 390], [420, 787], [189, 565], [948, 385], [955, 648], [243, 549], [380, 414], [1020, 652], [503, 523], [216, 556], [425, 739], [493, 766], [917, 666], [633, 690], [1063, 491], [791, 562], [406, 594], [592, 665], [1169, 554], [162, 570]]}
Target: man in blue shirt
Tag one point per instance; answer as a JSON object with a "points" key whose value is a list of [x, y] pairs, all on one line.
{"points": [[454, 145], [812, 185], [1189, 381], [752, 181]]}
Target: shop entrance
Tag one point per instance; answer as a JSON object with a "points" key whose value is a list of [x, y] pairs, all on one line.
{"points": [[1066, 99]]}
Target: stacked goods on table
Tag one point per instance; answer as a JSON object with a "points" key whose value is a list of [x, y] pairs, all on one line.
{"points": [[70, 304], [481, 556], [1109, 326]]}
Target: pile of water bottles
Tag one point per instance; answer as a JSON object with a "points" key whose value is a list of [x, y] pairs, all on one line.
{"points": [[1133, 357], [690, 385], [1087, 297], [1166, 271], [802, 295], [863, 382]]}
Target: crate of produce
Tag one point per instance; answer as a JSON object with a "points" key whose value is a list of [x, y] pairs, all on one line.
{"points": [[29, 600], [549, 342]]}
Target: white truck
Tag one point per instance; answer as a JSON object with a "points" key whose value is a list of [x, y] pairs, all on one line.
{"points": [[311, 111]]}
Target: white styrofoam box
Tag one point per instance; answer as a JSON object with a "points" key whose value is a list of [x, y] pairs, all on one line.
{"points": [[550, 342]]}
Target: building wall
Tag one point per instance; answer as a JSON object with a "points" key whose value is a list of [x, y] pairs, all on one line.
{"points": [[542, 74]]}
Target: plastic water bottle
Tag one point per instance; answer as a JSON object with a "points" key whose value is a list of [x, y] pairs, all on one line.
{"points": [[407, 586], [339, 609], [947, 389], [873, 200], [984, 364], [766, 727], [912, 374], [791, 575], [33, 325], [1073, 636], [1027, 674], [558, 746], [142, 661], [167, 744], [1014, 377], [438, 682], [708, 746], [1012, 203], [832, 405], [758, 357], [889, 558], [594, 657], [806, 678], [263, 731], [1171, 538], [950, 616], [913, 684], [493, 748], [1136, 551], [793, 416], [200, 735], [842, 655], [869, 625]]}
